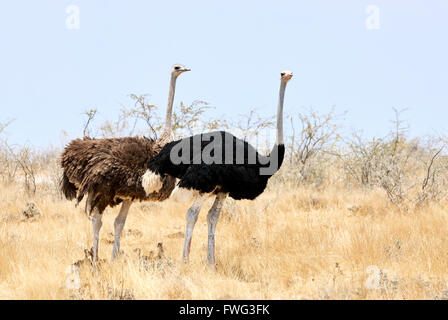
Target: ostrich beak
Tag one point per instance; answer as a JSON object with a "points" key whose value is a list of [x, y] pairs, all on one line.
{"points": [[186, 69]]}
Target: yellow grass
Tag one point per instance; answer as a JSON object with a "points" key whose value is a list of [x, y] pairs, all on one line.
{"points": [[287, 244]]}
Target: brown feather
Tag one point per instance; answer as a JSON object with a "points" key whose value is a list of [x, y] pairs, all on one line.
{"points": [[110, 169]]}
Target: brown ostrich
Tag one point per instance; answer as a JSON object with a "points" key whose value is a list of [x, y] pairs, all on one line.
{"points": [[109, 171]]}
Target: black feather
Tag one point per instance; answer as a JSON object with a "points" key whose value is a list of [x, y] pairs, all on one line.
{"points": [[242, 180]]}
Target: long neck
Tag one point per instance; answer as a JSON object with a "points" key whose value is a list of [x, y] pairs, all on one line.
{"points": [[281, 97], [277, 153], [169, 108]]}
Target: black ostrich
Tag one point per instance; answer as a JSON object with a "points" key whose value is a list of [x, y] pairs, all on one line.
{"points": [[216, 163]]}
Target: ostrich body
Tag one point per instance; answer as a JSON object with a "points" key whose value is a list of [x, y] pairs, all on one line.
{"points": [[110, 171], [219, 165], [240, 180]]}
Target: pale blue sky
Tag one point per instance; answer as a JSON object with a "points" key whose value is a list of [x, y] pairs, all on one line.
{"points": [[49, 75]]}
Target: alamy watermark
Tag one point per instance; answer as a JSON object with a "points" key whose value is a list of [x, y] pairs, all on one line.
{"points": [[223, 149], [72, 20], [373, 17]]}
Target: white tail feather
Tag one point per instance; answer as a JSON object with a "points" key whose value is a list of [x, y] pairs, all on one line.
{"points": [[151, 182]]}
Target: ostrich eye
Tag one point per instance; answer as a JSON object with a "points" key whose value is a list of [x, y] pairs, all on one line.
{"points": [[176, 68], [282, 74]]}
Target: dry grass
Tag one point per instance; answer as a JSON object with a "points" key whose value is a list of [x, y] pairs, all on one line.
{"points": [[288, 244]]}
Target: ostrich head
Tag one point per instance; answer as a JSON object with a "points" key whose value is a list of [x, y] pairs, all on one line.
{"points": [[286, 75], [178, 69]]}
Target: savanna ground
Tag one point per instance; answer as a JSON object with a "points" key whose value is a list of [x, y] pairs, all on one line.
{"points": [[346, 217], [290, 243]]}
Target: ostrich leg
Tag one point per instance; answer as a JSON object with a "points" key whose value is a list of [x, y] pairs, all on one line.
{"points": [[88, 207], [96, 226], [212, 220], [118, 226], [192, 217]]}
